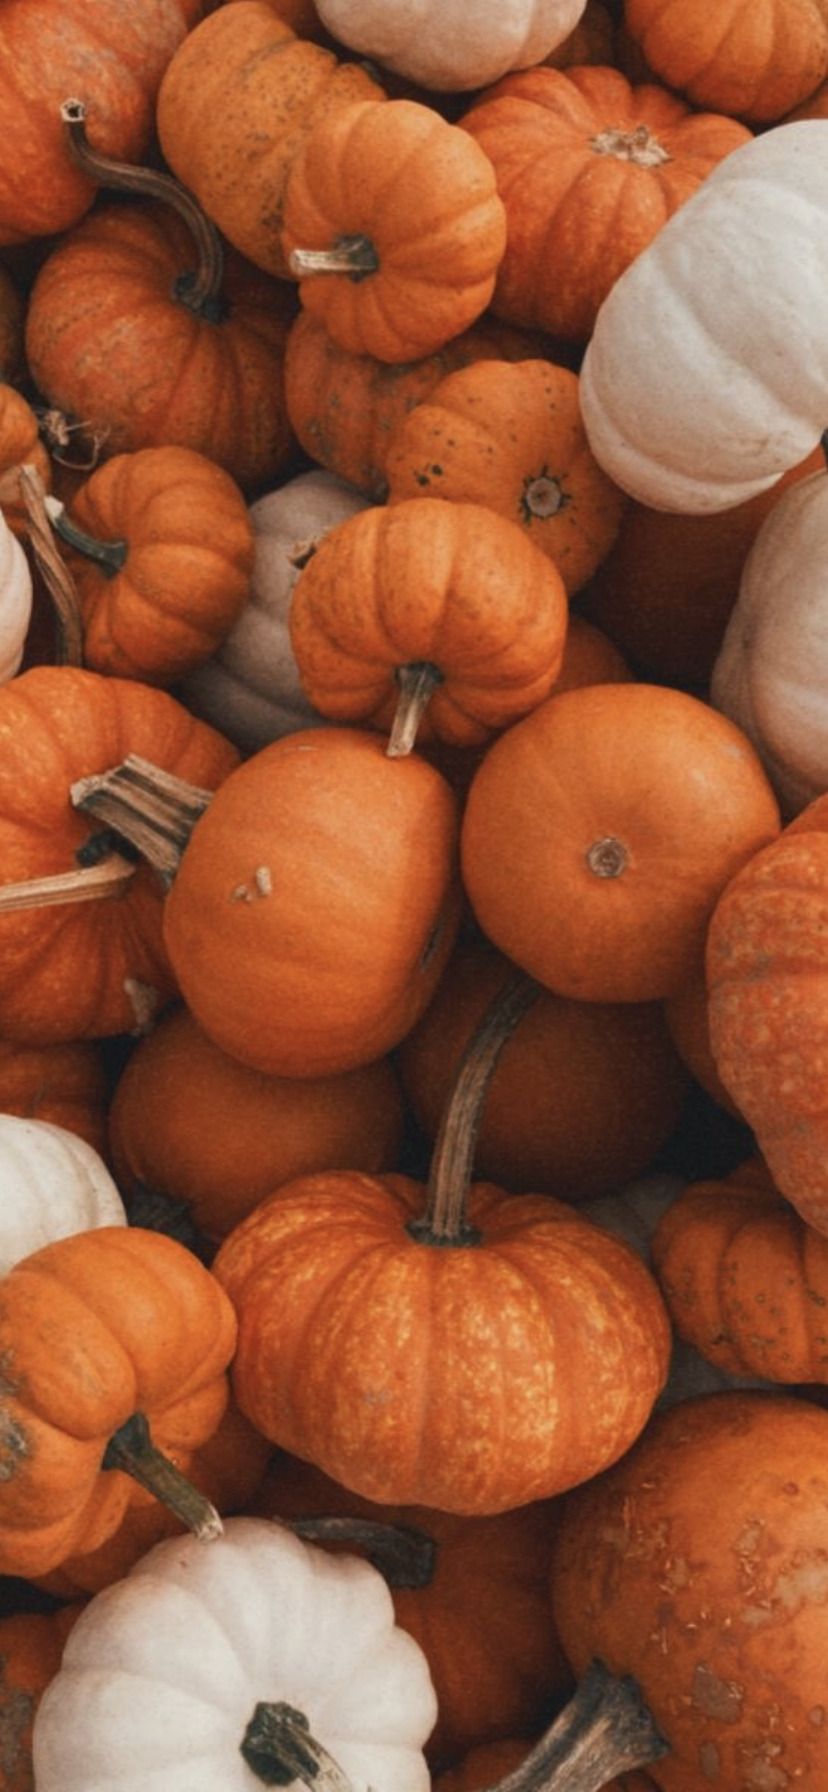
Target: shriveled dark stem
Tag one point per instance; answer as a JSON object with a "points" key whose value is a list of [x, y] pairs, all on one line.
{"points": [[131, 1449], [606, 1729], [279, 1748], [353, 255], [444, 1221], [152, 809], [417, 681], [111, 555], [404, 1556], [203, 287], [92, 883], [53, 569], [158, 1212]]}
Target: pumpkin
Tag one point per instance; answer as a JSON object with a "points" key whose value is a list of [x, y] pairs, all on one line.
{"points": [[161, 551], [105, 1335], [697, 1565], [630, 852], [223, 1136], [765, 960], [344, 408], [110, 52], [583, 1094], [740, 429], [93, 968], [769, 672], [730, 59], [31, 1645], [439, 47], [54, 1184], [393, 193], [250, 688], [15, 601], [65, 1084], [236, 103], [240, 1686], [584, 158], [687, 1020], [510, 436], [455, 1347], [140, 329], [19, 441], [490, 1762], [475, 1598], [426, 603], [589, 657]]}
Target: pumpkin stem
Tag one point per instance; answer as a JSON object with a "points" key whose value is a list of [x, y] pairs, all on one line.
{"points": [[279, 1748], [639, 146], [201, 290], [417, 682], [152, 809], [606, 1729], [402, 1554], [53, 569], [111, 555], [607, 857], [132, 1450], [353, 255], [444, 1221], [157, 1212], [89, 883]]}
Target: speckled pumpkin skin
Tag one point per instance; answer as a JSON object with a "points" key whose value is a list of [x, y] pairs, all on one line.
{"points": [[699, 1565]]}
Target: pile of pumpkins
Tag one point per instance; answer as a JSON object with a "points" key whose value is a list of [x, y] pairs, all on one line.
{"points": [[413, 806]]}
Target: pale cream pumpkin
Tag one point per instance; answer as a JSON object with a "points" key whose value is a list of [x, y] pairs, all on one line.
{"points": [[448, 45], [15, 601], [53, 1184]]}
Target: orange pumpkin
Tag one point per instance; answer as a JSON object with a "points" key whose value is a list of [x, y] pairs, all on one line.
{"points": [[510, 436], [391, 193], [19, 442], [686, 1014], [96, 1329], [90, 968], [31, 1646], [746, 1281], [589, 169], [450, 601], [766, 967], [160, 547], [236, 103], [731, 57], [65, 1084], [223, 1136], [628, 807]]}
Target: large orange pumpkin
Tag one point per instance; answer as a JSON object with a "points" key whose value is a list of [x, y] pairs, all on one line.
{"points": [[755, 61]]}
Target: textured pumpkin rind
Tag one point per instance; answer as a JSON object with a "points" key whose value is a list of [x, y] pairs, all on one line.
{"points": [[729, 56]]}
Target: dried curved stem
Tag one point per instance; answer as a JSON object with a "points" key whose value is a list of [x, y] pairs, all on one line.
{"points": [[402, 1554], [606, 1729], [110, 555], [132, 1450], [417, 681]]}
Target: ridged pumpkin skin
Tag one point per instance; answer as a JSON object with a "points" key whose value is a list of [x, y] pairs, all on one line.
{"points": [[482, 1619], [588, 801], [511, 437], [583, 1093], [65, 1084], [424, 196], [19, 442], [236, 103], [80, 971], [185, 577], [768, 1005], [583, 158], [470, 1379], [108, 342], [698, 1566], [223, 1136], [345, 408], [31, 1645], [456, 586], [94, 1328], [746, 1281], [316, 903], [110, 53], [731, 56]]}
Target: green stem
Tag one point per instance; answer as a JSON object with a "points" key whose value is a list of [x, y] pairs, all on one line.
{"points": [[403, 1555], [279, 1748], [352, 255], [417, 681], [111, 555]]}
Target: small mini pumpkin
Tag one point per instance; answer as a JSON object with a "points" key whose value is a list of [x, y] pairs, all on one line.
{"points": [[729, 57], [15, 601], [66, 1084], [19, 442], [439, 46], [54, 1185]]}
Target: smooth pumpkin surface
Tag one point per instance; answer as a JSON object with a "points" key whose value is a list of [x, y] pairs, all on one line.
{"points": [[698, 1565], [629, 808], [65, 1084], [754, 61], [442, 47]]}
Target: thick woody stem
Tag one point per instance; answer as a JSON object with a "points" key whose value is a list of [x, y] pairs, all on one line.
{"points": [[110, 555], [152, 809], [444, 1221], [279, 1748], [606, 1729], [417, 681], [53, 569], [201, 290], [131, 1449], [403, 1555], [353, 255]]}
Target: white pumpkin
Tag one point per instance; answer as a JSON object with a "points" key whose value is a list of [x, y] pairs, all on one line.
{"points": [[771, 674], [448, 45], [52, 1184], [707, 373], [15, 601], [163, 1670], [251, 689]]}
